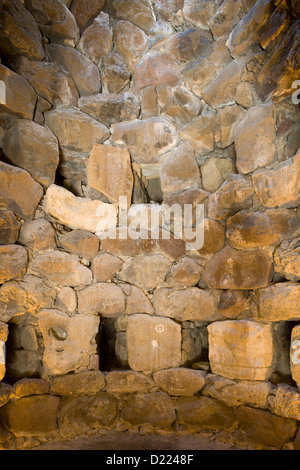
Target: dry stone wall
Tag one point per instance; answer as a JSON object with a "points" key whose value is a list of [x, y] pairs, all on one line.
{"points": [[129, 107]]}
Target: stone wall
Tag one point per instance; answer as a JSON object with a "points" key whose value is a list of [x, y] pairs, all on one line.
{"points": [[163, 102]]}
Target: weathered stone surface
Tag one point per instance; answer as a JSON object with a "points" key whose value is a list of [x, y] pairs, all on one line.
{"points": [[269, 188], [13, 263], [155, 409], [246, 34], [131, 42], [199, 12], [79, 415], [146, 139], [19, 32], [76, 130], [167, 8], [237, 393], [287, 260], [226, 17], [200, 133], [179, 170], [84, 72], [178, 103], [200, 73], [138, 12], [147, 272], [228, 119], [34, 148], [9, 227], [153, 343], [128, 381], [81, 383], [6, 392], [234, 269], [77, 212], [285, 401], [38, 234], [214, 237], [26, 387], [106, 299], [235, 194], [180, 381], [255, 138], [265, 429], [110, 108], [80, 242], [202, 413], [115, 74], [61, 268], [244, 94], [254, 356], [3, 332], [128, 242], [20, 97], [55, 20], [105, 266], [155, 69], [68, 342], [187, 271], [186, 45], [109, 172], [279, 302], [185, 304], [66, 300], [96, 40], [29, 416], [136, 300], [254, 230], [294, 355], [215, 171], [27, 296], [231, 303], [85, 11], [50, 81]]}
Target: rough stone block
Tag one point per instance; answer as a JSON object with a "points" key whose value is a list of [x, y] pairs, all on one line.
{"points": [[155, 409]]}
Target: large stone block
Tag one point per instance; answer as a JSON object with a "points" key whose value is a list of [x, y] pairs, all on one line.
{"points": [[155, 69], [180, 381], [85, 11], [242, 349], [106, 299], [155, 409], [153, 343], [9, 227], [147, 272], [82, 383], [20, 97], [131, 42], [234, 269], [115, 74], [287, 260], [138, 12], [13, 264], [128, 381], [38, 234], [80, 242], [200, 132], [279, 302], [96, 40]]}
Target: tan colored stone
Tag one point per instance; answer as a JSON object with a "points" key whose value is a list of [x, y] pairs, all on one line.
{"points": [[191, 303], [131, 42], [38, 234], [75, 129], [136, 300], [254, 230], [84, 72], [20, 97], [138, 12], [55, 20], [78, 212], [128, 242], [105, 266], [187, 271], [226, 17], [279, 302], [106, 299], [85, 11], [14, 259], [9, 227], [19, 32], [179, 170], [153, 343], [214, 237], [115, 74], [200, 133], [235, 194], [128, 381], [178, 103], [80, 242], [33, 148], [199, 12], [232, 303], [254, 356], [109, 172], [168, 8], [287, 260], [147, 139], [61, 268], [26, 387], [215, 171], [155, 69], [155, 409], [191, 196], [244, 94], [285, 402], [6, 392], [50, 81], [255, 138], [66, 300], [145, 271], [186, 45], [68, 342], [200, 413], [269, 186], [149, 102], [180, 381], [81, 383], [227, 121], [237, 393], [96, 40], [234, 269]]}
